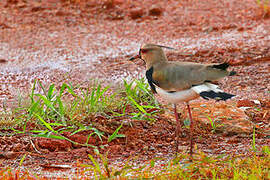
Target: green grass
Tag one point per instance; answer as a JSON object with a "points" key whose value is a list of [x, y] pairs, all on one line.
{"points": [[141, 99], [254, 141], [202, 167], [50, 111], [214, 124]]}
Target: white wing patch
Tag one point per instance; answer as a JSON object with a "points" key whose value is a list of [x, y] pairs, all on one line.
{"points": [[206, 87], [211, 91], [206, 91]]}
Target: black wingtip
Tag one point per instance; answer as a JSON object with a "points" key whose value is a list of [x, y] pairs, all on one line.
{"points": [[222, 66], [217, 96]]}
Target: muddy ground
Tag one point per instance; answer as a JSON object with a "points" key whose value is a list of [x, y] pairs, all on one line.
{"points": [[58, 41]]}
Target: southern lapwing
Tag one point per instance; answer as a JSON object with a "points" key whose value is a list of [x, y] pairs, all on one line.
{"points": [[179, 82]]}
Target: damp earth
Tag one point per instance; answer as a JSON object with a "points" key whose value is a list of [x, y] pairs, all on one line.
{"points": [[58, 41]]}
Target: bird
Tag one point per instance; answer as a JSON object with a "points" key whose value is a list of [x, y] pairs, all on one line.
{"points": [[181, 82]]}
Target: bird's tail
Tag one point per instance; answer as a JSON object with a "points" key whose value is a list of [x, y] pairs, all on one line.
{"points": [[211, 91], [224, 67]]}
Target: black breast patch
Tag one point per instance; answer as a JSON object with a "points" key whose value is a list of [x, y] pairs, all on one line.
{"points": [[149, 74]]}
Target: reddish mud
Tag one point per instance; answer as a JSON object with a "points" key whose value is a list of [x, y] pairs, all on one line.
{"points": [[57, 41]]}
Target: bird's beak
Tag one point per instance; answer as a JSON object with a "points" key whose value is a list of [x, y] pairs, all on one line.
{"points": [[135, 57]]}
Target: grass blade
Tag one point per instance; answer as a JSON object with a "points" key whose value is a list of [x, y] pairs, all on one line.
{"points": [[137, 105], [115, 134], [47, 125]]}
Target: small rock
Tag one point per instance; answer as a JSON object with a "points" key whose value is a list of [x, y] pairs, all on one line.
{"points": [[152, 148], [5, 148], [159, 145], [136, 13], [115, 148], [231, 130], [245, 103], [230, 26], [12, 1], [21, 5], [244, 108], [54, 144], [37, 8], [257, 102], [118, 1], [266, 104], [240, 29], [210, 29], [60, 13], [155, 11], [109, 4], [79, 152], [231, 121], [183, 148], [125, 154], [9, 155], [17, 147], [145, 148], [81, 139], [117, 15], [3, 60], [106, 145], [53, 1], [4, 26], [9, 142]]}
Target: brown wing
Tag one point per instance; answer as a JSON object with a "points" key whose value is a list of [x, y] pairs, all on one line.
{"points": [[175, 76]]}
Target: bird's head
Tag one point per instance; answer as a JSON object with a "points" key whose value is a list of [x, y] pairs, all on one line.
{"points": [[151, 54]]}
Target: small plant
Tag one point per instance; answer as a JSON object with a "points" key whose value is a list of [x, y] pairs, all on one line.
{"points": [[49, 104], [53, 114], [213, 124], [186, 123], [115, 134], [95, 100], [22, 159], [141, 98], [6, 119], [266, 150], [96, 132], [102, 170], [254, 141], [202, 167]]}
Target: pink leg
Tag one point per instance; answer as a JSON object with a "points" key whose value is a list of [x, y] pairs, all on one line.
{"points": [[177, 128], [191, 131]]}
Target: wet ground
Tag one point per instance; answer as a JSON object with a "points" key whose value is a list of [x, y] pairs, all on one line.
{"points": [[58, 41]]}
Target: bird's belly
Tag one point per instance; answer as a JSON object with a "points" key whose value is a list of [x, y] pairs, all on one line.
{"points": [[178, 96]]}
